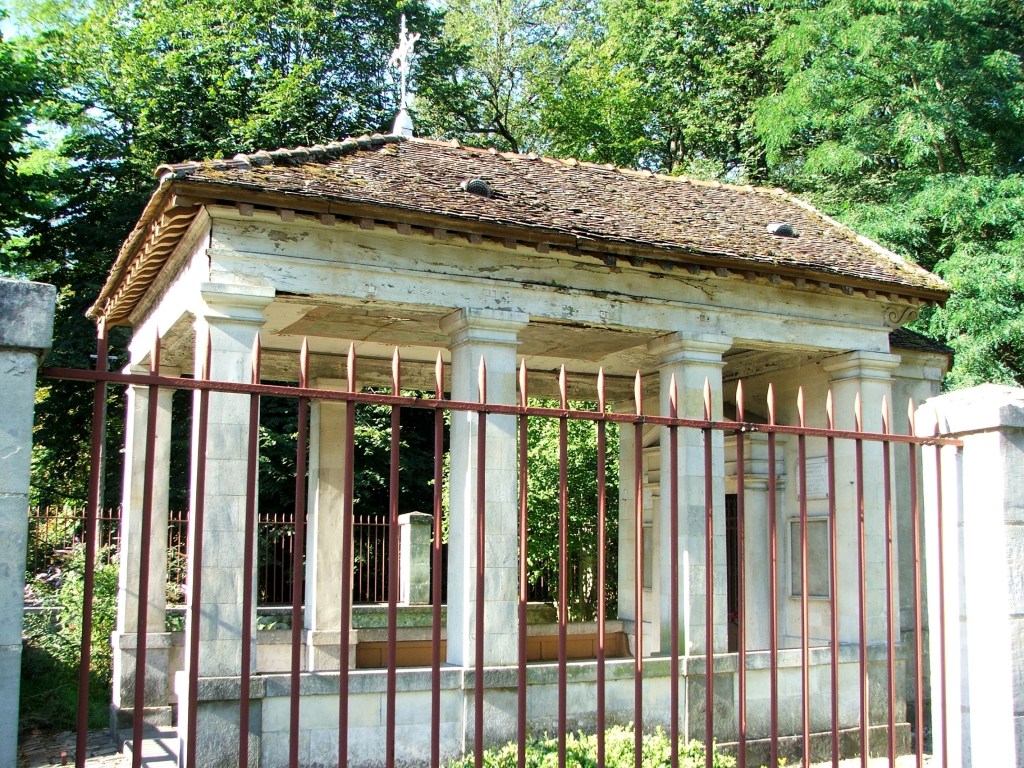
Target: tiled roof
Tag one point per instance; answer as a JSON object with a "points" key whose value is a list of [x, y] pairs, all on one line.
{"points": [[563, 203], [904, 338]]}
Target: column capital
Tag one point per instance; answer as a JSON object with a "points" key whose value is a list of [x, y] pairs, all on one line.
{"points": [[861, 365], [681, 347], [490, 326], [26, 315], [237, 303]]}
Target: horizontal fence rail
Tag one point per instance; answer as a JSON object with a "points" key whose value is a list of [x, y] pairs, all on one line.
{"points": [[821, 638]]}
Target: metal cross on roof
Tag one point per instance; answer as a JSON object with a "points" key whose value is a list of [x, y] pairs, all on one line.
{"points": [[400, 59]]}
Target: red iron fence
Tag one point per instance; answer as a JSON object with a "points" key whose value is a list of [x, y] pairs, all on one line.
{"points": [[795, 646]]}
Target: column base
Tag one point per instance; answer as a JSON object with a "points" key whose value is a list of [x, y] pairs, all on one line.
{"points": [[217, 720], [157, 685], [323, 650], [121, 719]]}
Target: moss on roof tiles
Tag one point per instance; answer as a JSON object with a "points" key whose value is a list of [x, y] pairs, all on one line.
{"points": [[598, 203]]}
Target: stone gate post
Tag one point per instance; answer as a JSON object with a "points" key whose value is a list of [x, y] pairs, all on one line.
{"points": [[981, 509], [26, 332]]}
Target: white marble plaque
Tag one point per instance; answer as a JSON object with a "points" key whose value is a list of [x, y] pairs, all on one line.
{"points": [[817, 478]]}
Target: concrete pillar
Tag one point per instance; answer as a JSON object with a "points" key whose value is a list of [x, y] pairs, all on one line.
{"points": [[26, 332], [868, 374], [324, 552], [415, 531], [756, 471], [982, 517], [692, 359], [232, 315], [492, 335], [125, 640]]}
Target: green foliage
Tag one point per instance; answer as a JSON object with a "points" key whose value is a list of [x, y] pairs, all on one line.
{"points": [[21, 87], [970, 229], [581, 750], [131, 84], [543, 483], [52, 650], [886, 92], [505, 54]]}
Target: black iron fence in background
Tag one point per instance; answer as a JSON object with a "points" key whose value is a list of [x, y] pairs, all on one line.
{"points": [[53, 532]]}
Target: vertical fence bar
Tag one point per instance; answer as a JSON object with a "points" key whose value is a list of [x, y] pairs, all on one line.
{"points": [[347, 544], [601, 567], [833, 576], [297, 560], [861, 584], [248, 603], [563, 558], [523, 575], [195, 574], [773, 596], [99, 408], [890, 618], [709, 587], [435, 582], [638, 575], [805, 590], [939, 534], [915, 535], [393, 489], [481, 562], [673, 460], [145, 548], [741, 557]]}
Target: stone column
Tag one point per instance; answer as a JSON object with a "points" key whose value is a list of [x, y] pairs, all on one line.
{"points": [[415, 531], [492, 335], [232, 315], [26, 332], [156, 707], [649, 490], [868, 374], [756, 471], [324, 530], [982, 573], [693, 359]]}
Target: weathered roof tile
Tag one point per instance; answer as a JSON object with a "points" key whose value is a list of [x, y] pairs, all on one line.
{"points": [[597, 205]]}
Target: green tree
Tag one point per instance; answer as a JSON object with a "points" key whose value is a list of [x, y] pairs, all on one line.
{"points": [[137, 83], [905, 119], [21, 88], [543, 483], [670, 85], [505, 53]]}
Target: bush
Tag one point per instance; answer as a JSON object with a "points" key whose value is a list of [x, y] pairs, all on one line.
{"points": [[52, 648], [581, 750]]}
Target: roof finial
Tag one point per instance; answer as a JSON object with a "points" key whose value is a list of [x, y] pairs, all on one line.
{"points": [[400, 59]]}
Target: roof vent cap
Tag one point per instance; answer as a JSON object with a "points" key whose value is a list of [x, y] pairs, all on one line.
{"points": [[478, 187], [781, 229]]}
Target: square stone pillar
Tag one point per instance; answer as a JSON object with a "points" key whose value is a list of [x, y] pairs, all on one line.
{"points": [[156, 706], [232, 315], [325, 534], [982, 571], [692, 359], [868, 374], [628, 470], [756, 473], [491, 335], [415, 531], [26, 332]]}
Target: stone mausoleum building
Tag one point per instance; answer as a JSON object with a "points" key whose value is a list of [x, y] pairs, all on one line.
{"points": [[387, 241]]}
